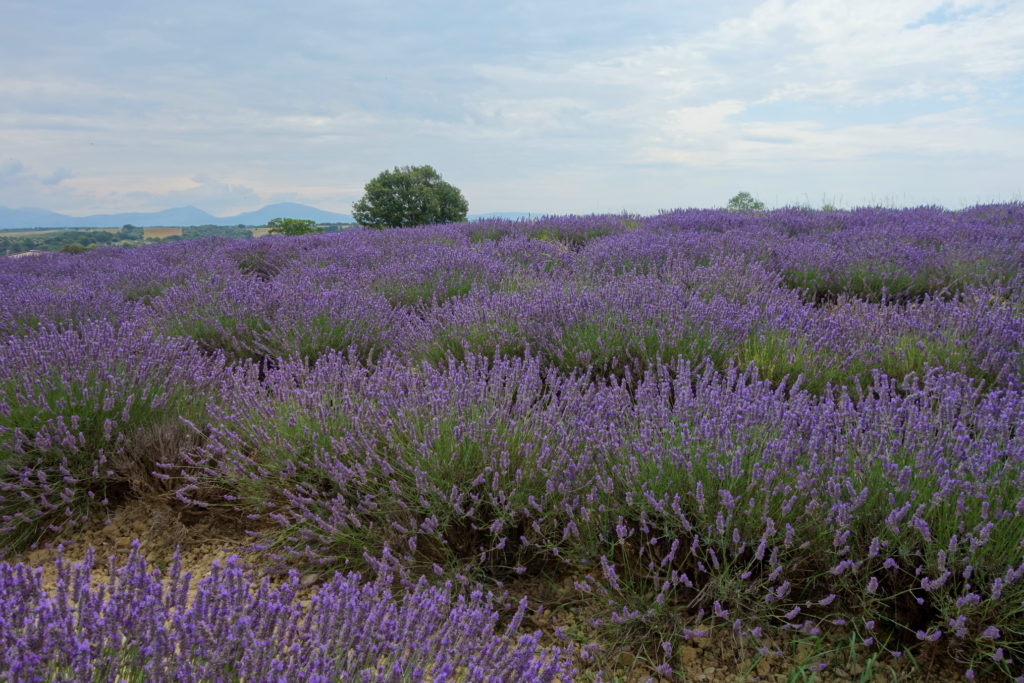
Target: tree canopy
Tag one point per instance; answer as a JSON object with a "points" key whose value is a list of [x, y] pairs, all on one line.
{"points": [[744, 201], [292, 226], [409, 195]]}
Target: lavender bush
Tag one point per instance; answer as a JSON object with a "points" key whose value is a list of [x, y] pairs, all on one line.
{"points": [[81, 413]]}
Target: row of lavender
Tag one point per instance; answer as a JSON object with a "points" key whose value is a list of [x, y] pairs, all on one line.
{"points": [[143, 626], [602, 397]]}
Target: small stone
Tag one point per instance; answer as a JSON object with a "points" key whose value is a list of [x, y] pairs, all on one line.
{"points": [[687, 654]]}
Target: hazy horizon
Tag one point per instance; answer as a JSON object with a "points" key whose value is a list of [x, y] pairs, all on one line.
{"points": [[525, 106]]}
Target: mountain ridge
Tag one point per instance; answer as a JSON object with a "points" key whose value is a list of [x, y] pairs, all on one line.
{"points": [[184, 216], [181, 216]]}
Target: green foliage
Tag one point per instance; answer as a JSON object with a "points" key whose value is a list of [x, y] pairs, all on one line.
{"points": [[68, 241], [744, 201], [13, 243], [74, 248], [880, 281], [436, 289], [574, 239], [293, 226], [239, 337], [407, 196], [131, 232], [199, 231], [502, 338]]}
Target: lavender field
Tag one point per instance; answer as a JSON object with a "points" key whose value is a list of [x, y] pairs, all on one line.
{"points": [[781, 427]]}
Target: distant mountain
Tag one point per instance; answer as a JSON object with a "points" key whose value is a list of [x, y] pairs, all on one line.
{"points": [[182, 216], [287, 210], [30, 218], [185, 215]]}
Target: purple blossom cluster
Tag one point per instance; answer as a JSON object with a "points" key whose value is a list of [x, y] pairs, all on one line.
{"points": [[142, 625], [791, 420]]}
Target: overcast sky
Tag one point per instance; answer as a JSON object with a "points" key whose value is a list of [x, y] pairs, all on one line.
{"points": [[549, 107]]}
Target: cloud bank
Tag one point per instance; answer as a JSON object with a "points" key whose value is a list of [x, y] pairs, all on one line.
{"points": [[578, 108]]}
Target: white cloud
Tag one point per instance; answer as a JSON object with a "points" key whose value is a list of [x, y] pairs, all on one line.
{"points": [[681, 103], [710, 139], [875, 51], [15, 174]]}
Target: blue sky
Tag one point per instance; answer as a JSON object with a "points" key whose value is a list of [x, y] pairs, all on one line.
{"points": [[526, 106]]}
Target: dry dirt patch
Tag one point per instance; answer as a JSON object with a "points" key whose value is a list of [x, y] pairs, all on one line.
{"points": [[159, 531]]}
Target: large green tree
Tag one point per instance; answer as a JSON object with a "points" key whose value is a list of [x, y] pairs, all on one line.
{"points": [[409, 195]]}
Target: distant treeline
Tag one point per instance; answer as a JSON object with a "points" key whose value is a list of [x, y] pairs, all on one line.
{"points": [[81, 239]]}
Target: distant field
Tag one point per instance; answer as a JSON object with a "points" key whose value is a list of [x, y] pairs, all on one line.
{"points": [[26, 233], [161, 233]]}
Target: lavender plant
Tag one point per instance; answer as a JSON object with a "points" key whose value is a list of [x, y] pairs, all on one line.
{"points": [[75, 405], [448, 465]]}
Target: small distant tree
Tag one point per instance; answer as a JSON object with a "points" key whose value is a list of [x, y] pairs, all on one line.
{"points": [[744, 201], [131, 232], [74, 248], [409, 195], [293, 226]]}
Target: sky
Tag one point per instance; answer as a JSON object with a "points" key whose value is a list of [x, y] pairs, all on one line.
{"points": [[580, 106]]}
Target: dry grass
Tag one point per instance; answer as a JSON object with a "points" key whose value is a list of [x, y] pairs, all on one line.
{"points": [[161, 233]]}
